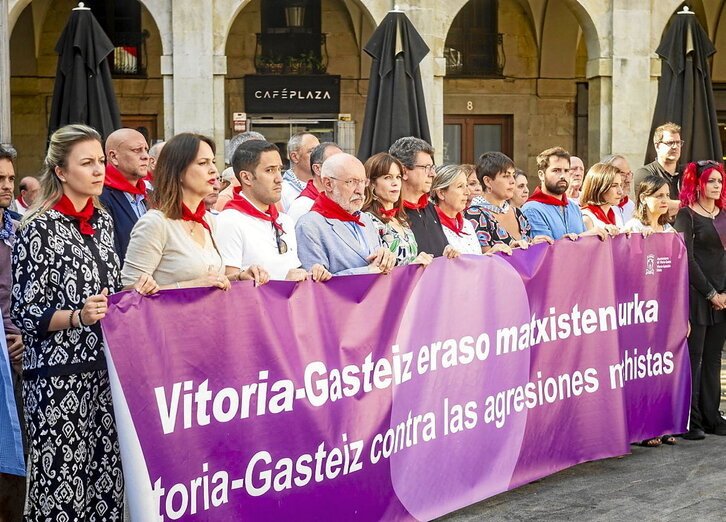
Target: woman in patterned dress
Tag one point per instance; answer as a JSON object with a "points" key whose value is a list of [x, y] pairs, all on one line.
{"points": [[65, 266], [383, 203], [499, 225]]}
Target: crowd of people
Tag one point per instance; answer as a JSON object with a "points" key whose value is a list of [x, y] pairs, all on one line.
{"points": [[105, 217]]}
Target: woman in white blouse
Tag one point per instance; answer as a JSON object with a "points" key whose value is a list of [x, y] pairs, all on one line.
{"points": [[174, 243], [450, 194], [651, 207]]}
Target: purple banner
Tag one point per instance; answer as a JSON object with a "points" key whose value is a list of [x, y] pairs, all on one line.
{"points": [[399, 397]]}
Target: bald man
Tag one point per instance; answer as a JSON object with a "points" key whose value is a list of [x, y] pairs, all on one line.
{"points": [[29, 190], [124, 193]]}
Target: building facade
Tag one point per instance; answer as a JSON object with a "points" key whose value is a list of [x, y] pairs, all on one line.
{"points": [[512, 75]]}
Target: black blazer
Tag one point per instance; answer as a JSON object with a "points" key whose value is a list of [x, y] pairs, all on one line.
{"points": [[124, 218]]}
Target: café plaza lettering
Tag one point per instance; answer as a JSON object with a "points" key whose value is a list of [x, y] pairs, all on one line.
{"points": [[290, 94], [286, 94]]}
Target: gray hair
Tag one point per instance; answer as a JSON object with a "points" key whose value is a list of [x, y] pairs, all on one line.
{"points": [[156, 149], [611, 158], [444, 177], [239, 139], [318, 153], [8, 153], [405, 150], [295, 141]]}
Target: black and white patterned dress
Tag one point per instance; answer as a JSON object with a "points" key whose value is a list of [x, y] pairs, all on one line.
{"points": [[75, 465]]}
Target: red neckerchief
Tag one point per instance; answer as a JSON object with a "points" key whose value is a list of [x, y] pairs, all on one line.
{"points": [[390, 214], [149, 177], [65, 207], [455, 224], [197, 217], [328, 208], [623, 202], [422, 202], [116, 180], [21, 202], [241, 204], [608, 219], [309, 191], [541, 197]]}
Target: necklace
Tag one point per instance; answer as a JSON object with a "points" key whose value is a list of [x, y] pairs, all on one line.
{"points": [[710, 214], [192, 227]]}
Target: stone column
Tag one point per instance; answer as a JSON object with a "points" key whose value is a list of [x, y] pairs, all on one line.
{"points": [[5, 102], [632, 106], [191, 69]]}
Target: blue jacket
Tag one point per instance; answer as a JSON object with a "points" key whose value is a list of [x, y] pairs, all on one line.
{"points": [[332, 244], [550, 220], [124, 218]]}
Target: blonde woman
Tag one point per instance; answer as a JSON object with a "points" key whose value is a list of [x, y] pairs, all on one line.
{"points": [[65, 266]]}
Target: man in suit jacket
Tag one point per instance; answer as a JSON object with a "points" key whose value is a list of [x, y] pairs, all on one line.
{"points": [[124, 193], [335, 233]]}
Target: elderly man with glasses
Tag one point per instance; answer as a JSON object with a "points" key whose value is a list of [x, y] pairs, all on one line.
{"points": [[419, 170], [668, 146], [335, 233], [251, 233]]}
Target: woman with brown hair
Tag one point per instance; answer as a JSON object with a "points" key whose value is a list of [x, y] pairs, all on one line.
{"points": [[651, 207], [601, 191], [383, 203], [174, 242]]}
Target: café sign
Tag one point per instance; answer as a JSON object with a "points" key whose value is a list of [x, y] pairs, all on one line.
{"points": [[276, 93]]}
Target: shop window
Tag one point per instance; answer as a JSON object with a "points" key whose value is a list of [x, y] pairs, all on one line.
{"points": [[291, 41], [121, 20], [474, 47]]}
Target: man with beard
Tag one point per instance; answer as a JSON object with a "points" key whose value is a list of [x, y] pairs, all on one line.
{"points": [[548, 210], [12, 467], [124, 191], [335, 233]]}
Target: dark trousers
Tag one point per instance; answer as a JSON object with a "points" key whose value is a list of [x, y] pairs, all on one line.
{"points": [[704, 347]]}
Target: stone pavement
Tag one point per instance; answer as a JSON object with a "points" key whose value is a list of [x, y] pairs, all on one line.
{"points": [[668, 483]]}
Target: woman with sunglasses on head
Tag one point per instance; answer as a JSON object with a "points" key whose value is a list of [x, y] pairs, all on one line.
{"points": [[703, 224], [383, 203], [651, 207], [175, 242]]}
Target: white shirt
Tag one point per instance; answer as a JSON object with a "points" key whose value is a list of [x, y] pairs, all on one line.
{"points": [[635, 225], [626, 212], [292, 186], [465, 244], [299, 207], [598, 223], [244, 240]]}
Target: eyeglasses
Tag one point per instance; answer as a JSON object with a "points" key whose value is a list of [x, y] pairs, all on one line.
{"points": [[673, 144], [353, 182], [428, 169], [281, 245]]}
